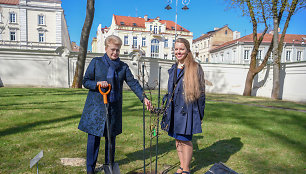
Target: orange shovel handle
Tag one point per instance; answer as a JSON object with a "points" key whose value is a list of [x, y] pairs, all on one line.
{"points": [[105, 93]]}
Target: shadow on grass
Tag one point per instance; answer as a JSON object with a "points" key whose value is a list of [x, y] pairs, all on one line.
{"points": [[26, 127], [220, 151], [163, 149]]}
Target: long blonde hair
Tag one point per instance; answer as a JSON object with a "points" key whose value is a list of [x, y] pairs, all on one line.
{"points": [[194, 83]]}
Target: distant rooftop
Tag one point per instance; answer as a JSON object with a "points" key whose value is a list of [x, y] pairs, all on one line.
{"points": [[140, 22]]}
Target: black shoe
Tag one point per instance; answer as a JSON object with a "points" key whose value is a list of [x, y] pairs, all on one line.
{"points": [[90, 172]]}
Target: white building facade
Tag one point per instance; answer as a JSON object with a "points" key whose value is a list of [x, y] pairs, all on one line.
{"points": [[33, 24], [239, 51], [151, 37]]}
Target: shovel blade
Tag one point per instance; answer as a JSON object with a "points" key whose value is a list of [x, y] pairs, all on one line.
{"points": [[111, 170]]}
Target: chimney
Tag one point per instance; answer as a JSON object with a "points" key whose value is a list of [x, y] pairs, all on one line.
{"points": [[145, 17]]}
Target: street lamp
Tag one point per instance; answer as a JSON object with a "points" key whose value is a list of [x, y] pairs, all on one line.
{"points": [[168, 7]]}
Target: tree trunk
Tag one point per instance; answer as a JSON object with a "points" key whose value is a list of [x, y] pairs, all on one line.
{"points": [[278, 48], [276, 58], [248, 83], [79, 71]]}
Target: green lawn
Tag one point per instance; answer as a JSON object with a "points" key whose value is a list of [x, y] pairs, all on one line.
{"points": [[248, 138]]}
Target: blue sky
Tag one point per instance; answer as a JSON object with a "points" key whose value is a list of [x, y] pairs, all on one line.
{"points": [[202, 16]]}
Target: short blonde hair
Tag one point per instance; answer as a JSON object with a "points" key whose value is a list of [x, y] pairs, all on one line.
{"points": [[113, 39]]}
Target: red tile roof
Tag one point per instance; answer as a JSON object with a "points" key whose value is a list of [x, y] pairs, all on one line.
{"points": [[208, 34], [10, 2], [140, 22], [289, 38]]}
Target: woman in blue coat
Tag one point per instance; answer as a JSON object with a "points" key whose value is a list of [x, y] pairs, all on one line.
{"points": [[103, 71], [185, 102]]}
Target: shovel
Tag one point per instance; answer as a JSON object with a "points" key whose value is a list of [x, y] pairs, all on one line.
{"points": [[111, 168]]}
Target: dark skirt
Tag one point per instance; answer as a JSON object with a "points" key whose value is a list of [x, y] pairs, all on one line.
{"points": [[180, 137]]}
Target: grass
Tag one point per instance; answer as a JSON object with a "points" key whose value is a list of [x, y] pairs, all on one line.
{"points": [[248, 139]]}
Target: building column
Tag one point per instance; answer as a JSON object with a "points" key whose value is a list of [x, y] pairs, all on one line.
{"points": [[23, 26], [58, 27]]}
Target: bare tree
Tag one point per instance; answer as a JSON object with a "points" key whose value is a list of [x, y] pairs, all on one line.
{"points": [[256, 10], [278, 10], [79, 71], [261, 12]]}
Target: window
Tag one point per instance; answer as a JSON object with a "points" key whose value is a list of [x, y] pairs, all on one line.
{"points": [[288, 53], [159, 29], [134, 24], [155, 29], [299, 56], [165, 56], [121, 23], [222, 59], [134, 42], [13, 35], [225, 32], [12, 17], [173, 56], [246, 54], [143, 41], [270, 56], [150, 27], [41, 37], [154, 48], [166, 43], [258, 57], [125, 52], [173, 42], [126, 40], [172, 28], [41, 20]]}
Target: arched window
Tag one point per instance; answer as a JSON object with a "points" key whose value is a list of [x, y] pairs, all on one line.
{"points": [[154, 48]]}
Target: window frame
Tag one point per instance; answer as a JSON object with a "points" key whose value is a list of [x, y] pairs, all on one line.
{"points": [[166, 45], [15, 18], [126, 40], [155, 29], [134, 45], [258, 56], [41, 35], [299, 55], [246, 55], [143, 41], [155, 51], [288, 55], [43, 19], [15, 34]]}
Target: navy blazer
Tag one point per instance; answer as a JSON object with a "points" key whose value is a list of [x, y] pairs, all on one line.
{"points": [[94, 116], [187, 116]]}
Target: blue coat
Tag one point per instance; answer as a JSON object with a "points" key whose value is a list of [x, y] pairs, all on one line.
{"points": [[94, 116], [187, 117]]}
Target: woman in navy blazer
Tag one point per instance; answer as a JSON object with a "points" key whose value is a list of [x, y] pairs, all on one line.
{"points": [[103, 71], [185, 102]]}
